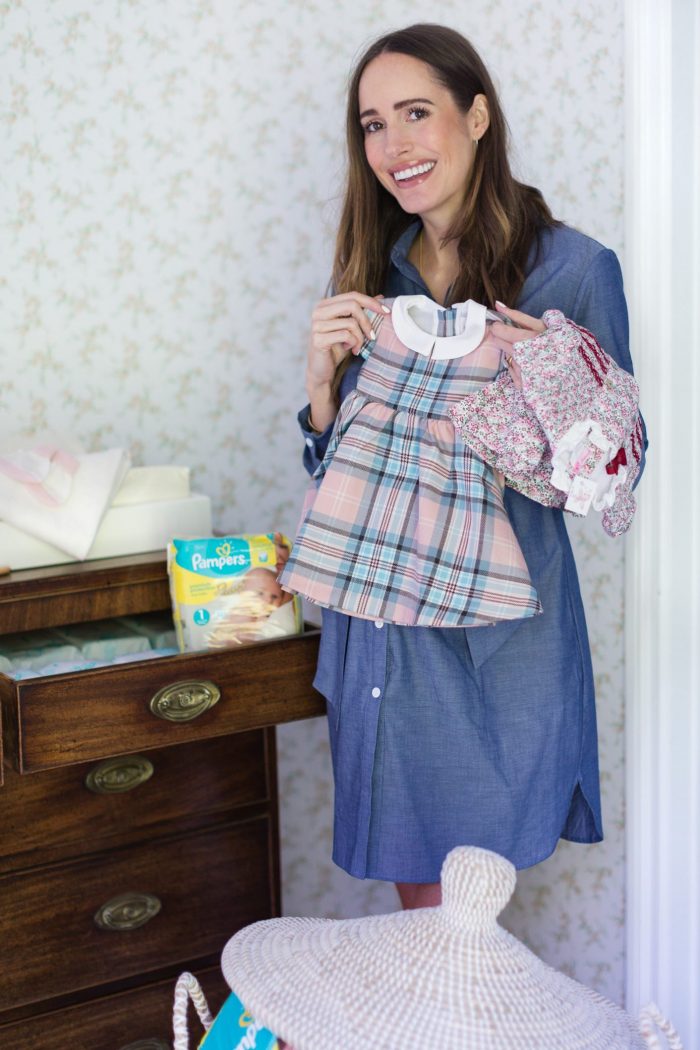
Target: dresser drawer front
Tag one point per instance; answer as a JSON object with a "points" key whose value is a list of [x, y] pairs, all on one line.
{"points": [[207, 886], [45, 818], [65, 719], [32, 599], [117, 1021]]}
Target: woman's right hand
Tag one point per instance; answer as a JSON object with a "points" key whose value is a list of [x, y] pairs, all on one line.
{"points": [[339, 325]]}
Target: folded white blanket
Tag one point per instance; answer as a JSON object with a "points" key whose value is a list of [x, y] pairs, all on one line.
{"points": [[58, 498], [126, 530]]}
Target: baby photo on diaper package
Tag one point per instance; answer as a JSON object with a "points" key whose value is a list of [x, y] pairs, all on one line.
{"points": [[225, 591]]}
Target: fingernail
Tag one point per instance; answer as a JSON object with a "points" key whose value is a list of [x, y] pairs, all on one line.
{"points": [[501, 305], [386, 309], [372, 334]]}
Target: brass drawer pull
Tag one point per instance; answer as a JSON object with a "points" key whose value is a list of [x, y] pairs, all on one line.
{"points": [[115, 775], [147, 1044], [128, 911], [183, 701]]}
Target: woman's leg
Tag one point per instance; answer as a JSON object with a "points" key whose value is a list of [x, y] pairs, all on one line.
{"points": [[419, 894]]}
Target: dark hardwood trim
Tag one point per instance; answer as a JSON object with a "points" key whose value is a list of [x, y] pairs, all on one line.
{"points": [[139, 1010], [61, 594], [273, 853]]}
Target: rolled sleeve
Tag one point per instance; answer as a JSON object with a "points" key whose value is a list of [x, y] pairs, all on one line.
{"points": [[315, 444]]}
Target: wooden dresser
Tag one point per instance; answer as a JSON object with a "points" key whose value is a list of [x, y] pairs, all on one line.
{"points": [[138, 814]]}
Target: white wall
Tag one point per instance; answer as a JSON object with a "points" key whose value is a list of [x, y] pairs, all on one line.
{"points": [[169, 183]]}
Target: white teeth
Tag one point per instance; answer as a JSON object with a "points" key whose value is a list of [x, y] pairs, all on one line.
{"points": [[408, 173]]}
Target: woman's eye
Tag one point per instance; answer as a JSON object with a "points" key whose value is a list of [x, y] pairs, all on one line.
{"points": [[418, 113], [372, 125]]}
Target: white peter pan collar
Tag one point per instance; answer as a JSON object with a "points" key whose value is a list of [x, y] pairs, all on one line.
{"points": [[470, 323]]}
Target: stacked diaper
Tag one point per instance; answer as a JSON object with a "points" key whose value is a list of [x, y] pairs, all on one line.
{"points": [[81, 647], [104, 642], [157, 627], [34, 650]]}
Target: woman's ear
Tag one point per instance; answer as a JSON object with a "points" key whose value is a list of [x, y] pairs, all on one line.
{"points": [[479, 116]]}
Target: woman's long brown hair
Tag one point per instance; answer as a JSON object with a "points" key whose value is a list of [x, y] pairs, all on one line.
{"points": [[500, 218]]}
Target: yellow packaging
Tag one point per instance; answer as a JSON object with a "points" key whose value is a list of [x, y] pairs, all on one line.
{"points": [[224, 591]]}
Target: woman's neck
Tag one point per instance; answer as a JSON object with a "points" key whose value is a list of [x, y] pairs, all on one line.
{"points": [[437, 263]]}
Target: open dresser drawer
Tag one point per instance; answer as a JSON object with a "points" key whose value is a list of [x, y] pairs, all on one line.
{"points": [[86, 715]]}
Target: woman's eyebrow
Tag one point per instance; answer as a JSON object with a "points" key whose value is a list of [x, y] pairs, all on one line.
{"points": [[397, 105]]}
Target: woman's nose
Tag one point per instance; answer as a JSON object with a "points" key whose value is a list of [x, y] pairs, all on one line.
{"points": [[397, 141]]}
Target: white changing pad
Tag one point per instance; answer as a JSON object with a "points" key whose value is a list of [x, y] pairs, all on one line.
{"points": [[151, 484], [130, 529]]}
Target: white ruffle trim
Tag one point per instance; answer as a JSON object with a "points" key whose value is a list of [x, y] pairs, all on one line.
{"points": [[583, 440]]}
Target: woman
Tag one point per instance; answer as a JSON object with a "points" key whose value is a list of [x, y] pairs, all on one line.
{"points": [[482, 735]]}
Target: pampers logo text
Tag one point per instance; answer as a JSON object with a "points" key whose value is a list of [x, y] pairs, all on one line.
{"points": [[200, 563]]}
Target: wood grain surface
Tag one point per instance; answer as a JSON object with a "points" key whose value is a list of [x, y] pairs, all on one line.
{"points": [[116, 1021], [210, 884], [94, 590], [53, 815], [64, 719]]}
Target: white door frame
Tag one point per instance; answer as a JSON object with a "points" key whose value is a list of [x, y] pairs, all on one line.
{"points": [[662, 273]]}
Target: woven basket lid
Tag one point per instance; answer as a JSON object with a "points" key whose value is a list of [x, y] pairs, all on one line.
{"points": [[447, 977]]}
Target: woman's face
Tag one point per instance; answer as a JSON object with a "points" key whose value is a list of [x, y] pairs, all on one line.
{"points": [[417, 142]]}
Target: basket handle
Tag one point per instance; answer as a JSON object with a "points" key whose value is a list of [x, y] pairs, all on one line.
{"points": [[650, 1019], [188, 987]]}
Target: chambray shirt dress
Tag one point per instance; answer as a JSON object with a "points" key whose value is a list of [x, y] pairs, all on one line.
{"points": [[483, 736]]}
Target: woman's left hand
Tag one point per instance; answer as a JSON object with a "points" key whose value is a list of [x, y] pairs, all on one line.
{"points": [[528, 326]]}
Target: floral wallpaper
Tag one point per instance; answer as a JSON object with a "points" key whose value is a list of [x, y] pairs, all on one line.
{"points": [[170, 181]]}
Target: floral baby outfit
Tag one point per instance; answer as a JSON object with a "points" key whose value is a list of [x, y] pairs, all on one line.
{"points": [[404, 523], [498, 424], [563, 425]]}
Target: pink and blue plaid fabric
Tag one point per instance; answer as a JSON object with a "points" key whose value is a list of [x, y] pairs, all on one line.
{"points": [[403, 522]]}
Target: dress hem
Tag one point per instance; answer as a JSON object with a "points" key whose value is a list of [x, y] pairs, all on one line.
{"points": [[436, 878]]}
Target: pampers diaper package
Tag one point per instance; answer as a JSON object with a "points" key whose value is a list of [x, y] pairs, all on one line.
{"points": [[235, 1029], [225, 592]]}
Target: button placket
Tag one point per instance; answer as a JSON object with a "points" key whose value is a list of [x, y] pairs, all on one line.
{"points": [[374, 683]]}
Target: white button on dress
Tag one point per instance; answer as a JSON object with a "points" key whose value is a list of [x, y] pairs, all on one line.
{"points": [[376, 692]]}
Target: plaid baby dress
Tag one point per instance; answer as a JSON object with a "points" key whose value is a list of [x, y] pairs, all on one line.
{"points": [[403, 522]]}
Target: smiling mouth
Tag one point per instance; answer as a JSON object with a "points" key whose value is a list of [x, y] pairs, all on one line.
{"points": [[409, 176]]}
